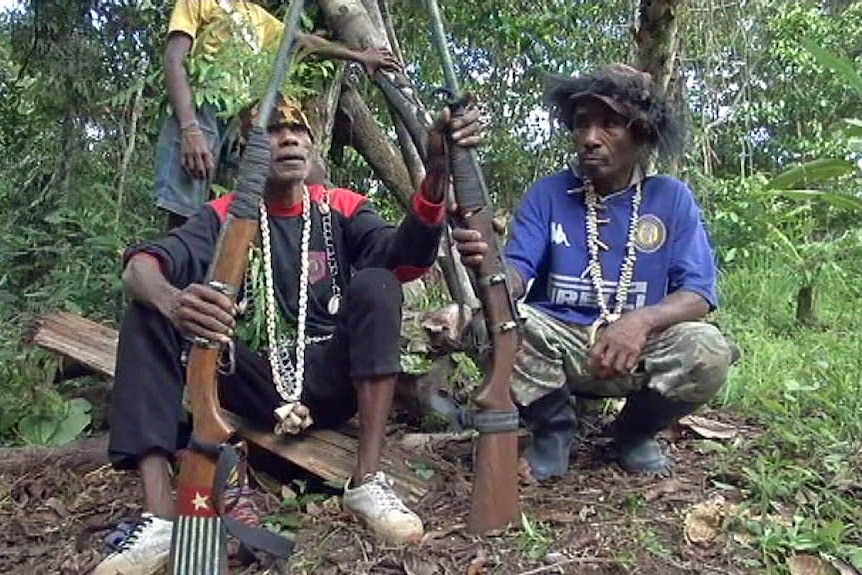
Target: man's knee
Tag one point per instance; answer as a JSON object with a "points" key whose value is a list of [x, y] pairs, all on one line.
{"points": [[373, 290], [704, 353], [143, 330]]}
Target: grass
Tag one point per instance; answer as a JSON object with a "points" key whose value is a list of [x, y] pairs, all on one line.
{"points": [[803, 385]]}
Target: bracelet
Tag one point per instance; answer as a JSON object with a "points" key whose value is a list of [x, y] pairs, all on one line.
{"points": [[193, 124]]}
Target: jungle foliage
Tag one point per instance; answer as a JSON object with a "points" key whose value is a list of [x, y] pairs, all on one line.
{"points": [[772, 99]]}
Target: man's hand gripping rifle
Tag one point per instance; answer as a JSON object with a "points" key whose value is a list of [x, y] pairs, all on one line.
{"points": [[495, 487], [198, 545]]}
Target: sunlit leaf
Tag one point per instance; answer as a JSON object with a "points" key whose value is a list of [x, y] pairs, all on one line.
{"points": [[77, 418], [835, 199], [841, 66], [38, 429], [853, 127], [811, 172]]}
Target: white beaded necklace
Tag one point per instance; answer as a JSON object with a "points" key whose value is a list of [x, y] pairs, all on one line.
{"points": [[606, 316], [287, 378]]}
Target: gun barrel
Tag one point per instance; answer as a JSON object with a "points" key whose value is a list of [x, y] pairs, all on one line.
{"points": [[439, 34], [291, 26]]}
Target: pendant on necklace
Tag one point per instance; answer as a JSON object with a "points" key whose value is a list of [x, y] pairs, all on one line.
{"points": [[334, 304]]}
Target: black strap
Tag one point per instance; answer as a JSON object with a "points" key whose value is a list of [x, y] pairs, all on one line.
{"points": [[491, 420], [211, 450], [227, 460], [257, 538]]}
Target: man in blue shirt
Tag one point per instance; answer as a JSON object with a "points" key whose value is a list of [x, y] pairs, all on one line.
{"points": [[615, 274]]}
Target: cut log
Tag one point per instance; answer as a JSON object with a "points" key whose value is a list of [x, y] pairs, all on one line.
{"points": [[77, 338], [80, 456], [331, 455]]}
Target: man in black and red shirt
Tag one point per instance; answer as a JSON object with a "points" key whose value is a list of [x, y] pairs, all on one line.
{"points": [[354, 263]]}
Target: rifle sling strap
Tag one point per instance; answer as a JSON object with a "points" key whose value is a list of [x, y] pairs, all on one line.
{"points": [[258, 538], [491, 420]]}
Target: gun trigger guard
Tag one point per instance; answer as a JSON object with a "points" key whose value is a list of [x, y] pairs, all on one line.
{"points": [[228, 366], [223, 288], [489, 280], [204, 342], [504, 327]]}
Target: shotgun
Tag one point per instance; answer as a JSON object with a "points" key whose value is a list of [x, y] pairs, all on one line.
{"points": [[494, 502], [199, 540]]}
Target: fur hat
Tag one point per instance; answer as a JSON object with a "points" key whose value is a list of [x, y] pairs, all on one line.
{"points": [[627, 91], [285, 110]]}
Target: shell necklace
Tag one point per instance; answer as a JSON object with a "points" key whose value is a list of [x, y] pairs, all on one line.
{"points": [[287, 377], [594, 267]]}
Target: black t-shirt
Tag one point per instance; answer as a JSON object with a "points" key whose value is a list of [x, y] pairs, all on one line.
{"points": [[361, 237]]}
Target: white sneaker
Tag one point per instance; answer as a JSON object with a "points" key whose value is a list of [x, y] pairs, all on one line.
{"points": [[376, 505], [144, 552]]}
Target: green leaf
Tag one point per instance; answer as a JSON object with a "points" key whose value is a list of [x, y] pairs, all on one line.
{"points": [[814, 171], [422, 470], [415, 364], [853, 127], [787, 243], [841, 66], [38, 429], [76, 420], [835, 199]]}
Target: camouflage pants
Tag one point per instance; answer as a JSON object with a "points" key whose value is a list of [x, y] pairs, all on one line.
{"points": [[686, 362]]}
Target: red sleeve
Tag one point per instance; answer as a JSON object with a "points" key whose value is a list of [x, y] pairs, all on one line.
{"points": [[221, 206], [344, 201], [429, 212]]}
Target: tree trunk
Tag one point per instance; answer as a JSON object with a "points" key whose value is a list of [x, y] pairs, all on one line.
{"points": [[656, 39], [81, 456], [128, 153], [322, 109], [370, 141], [352, 23], [415, 166], [806, 306]]}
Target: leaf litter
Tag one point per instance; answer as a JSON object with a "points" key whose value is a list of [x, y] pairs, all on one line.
{"points": [[595, 520]]}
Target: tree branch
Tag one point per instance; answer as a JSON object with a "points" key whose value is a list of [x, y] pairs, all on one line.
{"points": [[371, 143]]}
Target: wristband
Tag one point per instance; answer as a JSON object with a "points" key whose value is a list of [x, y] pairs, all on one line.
{"points": [[194, 124]]}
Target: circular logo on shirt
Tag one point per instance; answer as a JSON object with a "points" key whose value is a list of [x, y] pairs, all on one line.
{"points": [[650, 233]]}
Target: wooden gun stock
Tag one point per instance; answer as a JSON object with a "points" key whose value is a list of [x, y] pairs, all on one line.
{"points": [[199, 541], [495, 486]]}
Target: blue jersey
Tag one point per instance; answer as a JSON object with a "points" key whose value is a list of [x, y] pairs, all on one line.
{"points": [[548, 246]]}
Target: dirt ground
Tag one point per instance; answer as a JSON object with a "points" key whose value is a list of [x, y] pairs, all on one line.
{"points": [[597, 520]]}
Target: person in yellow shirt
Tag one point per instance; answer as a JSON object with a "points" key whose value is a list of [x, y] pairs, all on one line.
{"points": [[191, 139]]}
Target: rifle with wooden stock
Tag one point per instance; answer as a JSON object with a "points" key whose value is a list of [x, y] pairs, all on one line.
{"points": [[198, 544], [495, 485]]}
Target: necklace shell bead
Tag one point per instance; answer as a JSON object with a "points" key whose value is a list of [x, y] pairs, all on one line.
{"points": [[606, 315]]}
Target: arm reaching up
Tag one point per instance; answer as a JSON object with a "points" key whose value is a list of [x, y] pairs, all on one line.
{"points": [[371, 59]]}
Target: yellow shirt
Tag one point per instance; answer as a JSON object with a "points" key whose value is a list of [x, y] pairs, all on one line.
{"points": [[214, 21]]}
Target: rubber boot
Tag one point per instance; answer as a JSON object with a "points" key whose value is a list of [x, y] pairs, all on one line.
{"points": [[552, 421], [645, 414]]}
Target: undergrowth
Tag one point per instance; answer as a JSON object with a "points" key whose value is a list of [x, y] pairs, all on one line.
{"points": [[800, 476]]}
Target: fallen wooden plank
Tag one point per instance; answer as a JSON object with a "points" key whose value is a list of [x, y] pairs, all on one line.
{"points": [[331, 455], [79, 339], [328, 454]]}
